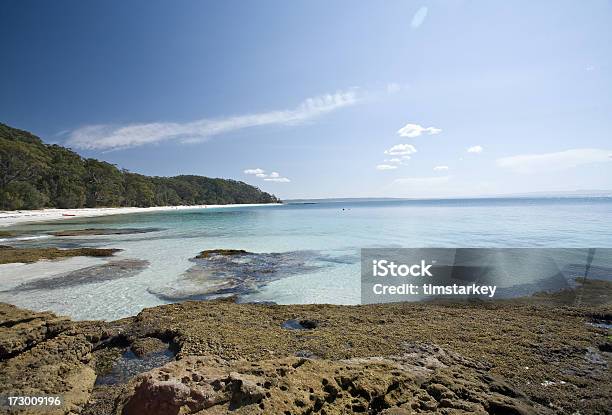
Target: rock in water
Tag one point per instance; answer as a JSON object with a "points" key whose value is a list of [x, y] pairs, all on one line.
{"points": [[147, 345], [226, 272], [104, 231], [123, 268]]}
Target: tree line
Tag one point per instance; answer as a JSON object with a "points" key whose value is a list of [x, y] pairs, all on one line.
{"points": [[34, 175]]}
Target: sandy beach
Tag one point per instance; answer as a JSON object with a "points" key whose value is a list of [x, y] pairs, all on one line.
{"points": [[10, 218]]}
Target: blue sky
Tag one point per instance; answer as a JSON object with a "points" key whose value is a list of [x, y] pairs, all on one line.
{"points": [[320, 98]]}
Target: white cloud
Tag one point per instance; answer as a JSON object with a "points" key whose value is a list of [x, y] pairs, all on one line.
{"points": [[254, 171], [272, 177], [419, 17], [415, 130], [277, 179], [475, 149], [105, 137], [386, 167], [441, 168], [401, 150], [530, 163]]}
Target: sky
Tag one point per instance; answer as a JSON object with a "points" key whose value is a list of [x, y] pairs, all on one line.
{"points": [[314, 99]]}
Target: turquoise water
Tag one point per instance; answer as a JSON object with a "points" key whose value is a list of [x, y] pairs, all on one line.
{"points": [[319, 244]]}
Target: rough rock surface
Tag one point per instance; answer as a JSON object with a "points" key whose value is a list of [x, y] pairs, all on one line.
{"points": [[147, 345], [533, 356], [425, 378], [22, 329], [52, 358]]}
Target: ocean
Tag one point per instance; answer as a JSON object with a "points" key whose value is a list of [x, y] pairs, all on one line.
{"points": [[297, 252]]}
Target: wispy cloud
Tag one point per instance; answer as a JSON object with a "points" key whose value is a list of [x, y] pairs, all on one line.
{"points": [[386, 167], [475, 149], [415, 130], [441, 168], [531, 163], [419, 18], [272, 177], [401, 150], [105, 137], [394, 162]]}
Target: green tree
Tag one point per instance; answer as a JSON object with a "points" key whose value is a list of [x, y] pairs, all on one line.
{"points": [[104, 184], [22, 195], [34, 174], [138, 191], [65, 178]]}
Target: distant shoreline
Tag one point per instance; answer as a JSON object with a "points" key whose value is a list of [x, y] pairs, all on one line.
{"points": [[16, 217], [533, 196]]}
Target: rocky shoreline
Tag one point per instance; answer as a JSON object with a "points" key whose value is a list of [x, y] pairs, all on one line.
{"points": [[538, 355]]}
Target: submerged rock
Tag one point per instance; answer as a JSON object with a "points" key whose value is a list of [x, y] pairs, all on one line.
{"points": [[143, 347], [104, 231], [221, 252], [112, 270], [226, 272], [10, 254], [128, 365]]}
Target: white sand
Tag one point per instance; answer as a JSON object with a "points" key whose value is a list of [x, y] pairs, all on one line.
{"points": [[14, 217]]}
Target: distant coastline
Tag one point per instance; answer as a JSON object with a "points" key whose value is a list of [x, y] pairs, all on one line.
{"points": [[15, 217], [577, 194]]}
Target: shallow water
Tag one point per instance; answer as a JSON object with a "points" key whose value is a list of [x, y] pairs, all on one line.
{"points": [[319, 246], [129, 365]]}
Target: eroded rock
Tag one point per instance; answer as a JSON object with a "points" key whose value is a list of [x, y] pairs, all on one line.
{"points": [[426, 378], [22, 329], [515, 357], [50, 359], [189, 386]]}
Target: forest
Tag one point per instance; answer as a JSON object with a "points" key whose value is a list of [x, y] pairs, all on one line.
{"points": [[36, 175]]}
